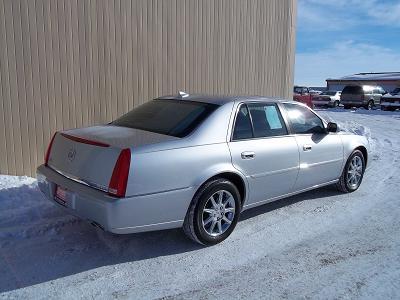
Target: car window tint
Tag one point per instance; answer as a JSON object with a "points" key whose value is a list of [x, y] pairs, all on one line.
{"points": [[350, 89], [267, 120], [170, 117], [303, 120], [242, 128]]}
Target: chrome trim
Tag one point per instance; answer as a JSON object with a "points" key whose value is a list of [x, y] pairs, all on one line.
{"points": [[81, 181]]}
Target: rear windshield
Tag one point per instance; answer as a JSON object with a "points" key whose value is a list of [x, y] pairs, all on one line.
{"points": [[350, 89], [170, 117]]}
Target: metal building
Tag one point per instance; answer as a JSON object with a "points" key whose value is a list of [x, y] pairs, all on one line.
{"points": [[72, 63], [387, 80]]}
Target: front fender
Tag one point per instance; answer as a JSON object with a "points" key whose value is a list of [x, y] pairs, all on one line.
{"points": [[352, 141]]}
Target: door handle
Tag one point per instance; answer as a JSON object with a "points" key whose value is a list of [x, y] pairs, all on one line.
{"points": [[307, 147], [248, 155]]}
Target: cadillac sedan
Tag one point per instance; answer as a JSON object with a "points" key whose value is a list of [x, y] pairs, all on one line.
{"points": [[197, 162]]}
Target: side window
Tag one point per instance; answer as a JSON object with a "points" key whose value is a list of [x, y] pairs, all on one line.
{"points": [[267, 120], [304, 120], [242, 128]]}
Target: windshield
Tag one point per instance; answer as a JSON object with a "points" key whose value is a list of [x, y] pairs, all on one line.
{"points": [[297, 90], [396, 91], [329, 93], [170, 117]]}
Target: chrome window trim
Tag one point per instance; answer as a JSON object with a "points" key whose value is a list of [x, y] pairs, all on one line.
{"points": [[278, 109]]}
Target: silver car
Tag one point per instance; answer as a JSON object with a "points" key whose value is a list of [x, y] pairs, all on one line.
{"points": [[196, 162], [327, 98]]}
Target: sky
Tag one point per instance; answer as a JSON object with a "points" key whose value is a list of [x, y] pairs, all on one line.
{"points": [[343, 37]]}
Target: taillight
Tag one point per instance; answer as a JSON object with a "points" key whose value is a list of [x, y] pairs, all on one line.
{"points": [[119, 178], [47, 155]]}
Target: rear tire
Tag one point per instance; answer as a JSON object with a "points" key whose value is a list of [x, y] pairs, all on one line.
{"points": [[209, 222], [335, 104], [353, 173], [370, 105]]}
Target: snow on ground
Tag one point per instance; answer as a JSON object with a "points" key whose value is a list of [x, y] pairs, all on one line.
{"points": [[320, 244]]}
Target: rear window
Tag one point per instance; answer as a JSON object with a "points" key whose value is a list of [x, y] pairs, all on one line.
{"points": [[350, 89], [170, 117]]}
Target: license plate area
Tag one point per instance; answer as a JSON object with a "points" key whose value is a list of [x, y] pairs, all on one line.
{"points": [[61, 196]]}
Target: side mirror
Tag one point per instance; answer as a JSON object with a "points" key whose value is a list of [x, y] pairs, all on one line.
{"points": [[332, 127]]}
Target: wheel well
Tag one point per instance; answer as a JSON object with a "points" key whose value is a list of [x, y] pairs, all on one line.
{"points": [[235, 179], [364, 152]]}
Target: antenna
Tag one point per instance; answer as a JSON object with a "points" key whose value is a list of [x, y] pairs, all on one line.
{"points": [[183, 94]]}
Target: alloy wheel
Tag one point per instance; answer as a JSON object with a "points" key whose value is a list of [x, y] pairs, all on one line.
{"points": [[354, 172], [218, 213]]}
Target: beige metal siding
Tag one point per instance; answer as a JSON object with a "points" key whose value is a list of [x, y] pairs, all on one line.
{"points": [[72, 63]]}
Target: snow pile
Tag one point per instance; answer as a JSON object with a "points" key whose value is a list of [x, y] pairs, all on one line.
{"points": [[7, 182], [24, 212], [352, 127]]}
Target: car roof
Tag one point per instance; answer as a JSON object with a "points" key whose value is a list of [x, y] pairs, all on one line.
{"points": [[221, 100]]}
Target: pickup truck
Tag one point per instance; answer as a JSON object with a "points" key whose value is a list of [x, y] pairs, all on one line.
{"points": [[302, 94], [391, 101]]}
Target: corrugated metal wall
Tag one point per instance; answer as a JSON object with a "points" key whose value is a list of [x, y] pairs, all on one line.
{"points": [[72, 63]]}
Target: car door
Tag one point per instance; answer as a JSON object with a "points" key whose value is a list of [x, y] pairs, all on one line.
{"points": [[264, 152], [377, 96], [321, 153]]}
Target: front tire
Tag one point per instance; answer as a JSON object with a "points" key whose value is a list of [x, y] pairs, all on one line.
{"points": [[213, 212], [353, 173]]}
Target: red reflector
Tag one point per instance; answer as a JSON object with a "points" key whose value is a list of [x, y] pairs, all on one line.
{"points": [[84, 141], [119, 178], [47, 155]]}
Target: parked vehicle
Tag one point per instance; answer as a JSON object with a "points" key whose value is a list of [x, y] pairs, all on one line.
{"points": [[327, 98], [302, 94], [314, 92], [197, 162], [391, 101], [366, 96]]}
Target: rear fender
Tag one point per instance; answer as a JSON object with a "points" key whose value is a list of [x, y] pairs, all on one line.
{"points": [[215, 170]]}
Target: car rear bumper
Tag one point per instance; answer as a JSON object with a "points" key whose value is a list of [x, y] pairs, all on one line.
{"points": [[118, 215], [323, 102], [353, 102], [390, 104]]}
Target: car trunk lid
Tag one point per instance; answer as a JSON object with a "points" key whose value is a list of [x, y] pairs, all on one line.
{"points": [[89, 155]]}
